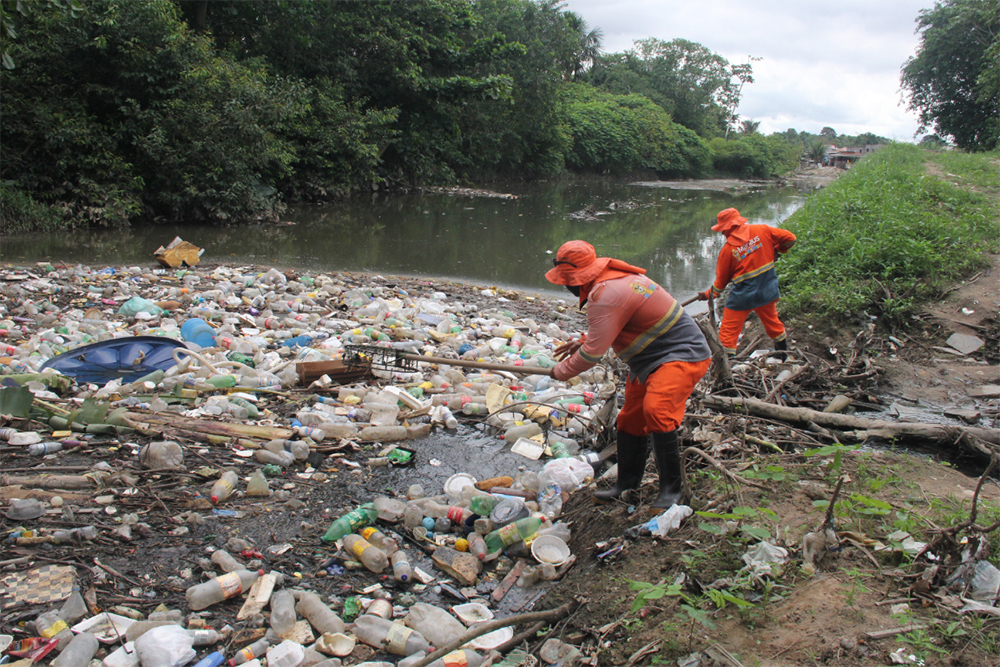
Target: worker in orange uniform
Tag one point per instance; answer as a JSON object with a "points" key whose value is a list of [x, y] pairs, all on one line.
{"points": [[664, 348], [747, 260]]}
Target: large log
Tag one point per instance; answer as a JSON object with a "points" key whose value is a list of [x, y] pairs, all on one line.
{"points": [[979, 442]]}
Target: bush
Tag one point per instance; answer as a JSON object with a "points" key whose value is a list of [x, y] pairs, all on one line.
{"points": [[887, 235], [19, 213], [624, 133], [753, 156]]}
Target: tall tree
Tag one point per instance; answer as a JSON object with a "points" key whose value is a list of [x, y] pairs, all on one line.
{"points": [[954, 79]]}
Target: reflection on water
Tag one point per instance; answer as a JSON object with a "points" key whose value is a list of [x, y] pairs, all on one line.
{"points": [[481, 240]]}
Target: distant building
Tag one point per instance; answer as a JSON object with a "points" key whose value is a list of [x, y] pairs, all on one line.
{"points": [[848, 155]]}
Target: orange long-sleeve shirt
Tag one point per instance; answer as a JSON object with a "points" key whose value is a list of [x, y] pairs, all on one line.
{"points": [[750, 267]]}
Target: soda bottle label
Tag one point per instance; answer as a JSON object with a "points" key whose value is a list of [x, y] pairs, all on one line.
{"points": [[352, 607], [359, 548], [509, 534], [55, 629], [357, 518], [455, 514], [395, 639], [230, 584], [368, 532], [381, 608]]}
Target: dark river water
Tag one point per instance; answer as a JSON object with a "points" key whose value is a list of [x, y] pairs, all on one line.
{"points": [[488, 241]]}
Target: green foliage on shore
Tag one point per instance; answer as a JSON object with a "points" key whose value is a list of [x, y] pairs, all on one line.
{"points": [[754, 156], [893, 232]]}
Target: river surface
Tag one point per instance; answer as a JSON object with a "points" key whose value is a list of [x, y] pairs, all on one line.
{"points": [[507, 242]]}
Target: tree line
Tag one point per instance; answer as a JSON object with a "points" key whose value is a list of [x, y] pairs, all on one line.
{"points": [[115, 112]]}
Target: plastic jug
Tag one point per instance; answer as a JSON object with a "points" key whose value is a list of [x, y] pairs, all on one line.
{"points": [[199, 332]]}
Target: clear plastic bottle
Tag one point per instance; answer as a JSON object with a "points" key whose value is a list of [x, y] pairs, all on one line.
{"points": [[379, 539], [401, 569], [221, 588], [389, 509], [361, 517], [412, 515], [435, 624], [370, 556], [49, 625], [528, 430], [283, 458], [223, 487], [475, 409], [225, 561], [387, 635], [78, 652], [550, 500], [74, 608], [257, 485], [247, 653], [298, 449], [204, 637], [282, 612], [477, 546], [319, 615], [43, 448], [453, 513]]}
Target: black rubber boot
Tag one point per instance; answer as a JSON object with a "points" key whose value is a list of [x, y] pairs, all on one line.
{"points": [[781, 348], [668, 464], [633, 451]]}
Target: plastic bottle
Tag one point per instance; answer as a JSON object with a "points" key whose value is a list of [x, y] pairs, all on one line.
{"points": [[298, 449], [379, 539], [401, 569], [225, 561], [412, 515], [49, 626], [387, 635], [484, 504], [435, 624], [389, 509], [474, 409], [550, 500], [211, 660], [223, 487], [43, 448], [78, 652], [370, 556], [282, 612], [221, 588], [453, 513], [74, 608], [255, 650], [286, 654], [320, 616], [361, 517], [282, 458], [257, 485], [512, 533], [204, 637], [528, 430], [477, 546]]}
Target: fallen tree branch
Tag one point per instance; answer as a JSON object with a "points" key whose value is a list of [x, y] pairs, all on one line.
{"points": [[480, 629], [718, 466], [979, 442]]}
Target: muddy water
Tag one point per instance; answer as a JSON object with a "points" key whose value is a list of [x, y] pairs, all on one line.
{"points": [[482, 240]]}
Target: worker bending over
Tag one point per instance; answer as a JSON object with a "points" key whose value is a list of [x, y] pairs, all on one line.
{"points": [[665, 351], [747, 260]]}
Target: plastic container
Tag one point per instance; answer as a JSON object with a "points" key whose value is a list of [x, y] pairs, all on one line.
{"points": [[161, 455], [282, 612], [401, 569], [286, 654], [199, 332], [319, 615], [513, 533], [221, 588], [78, 652], [381, 633], [435, 624], [549, 549], [379, 539], [370, 556], [257, 486], [224, 486], [361, 517]]}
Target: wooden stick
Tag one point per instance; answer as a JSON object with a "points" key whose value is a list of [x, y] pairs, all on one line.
{"points": [[480, 629], [517, 370]]}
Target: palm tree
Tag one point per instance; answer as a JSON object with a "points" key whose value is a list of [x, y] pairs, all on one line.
{"points": [[816, 151], [588, 43], [749, 126]]}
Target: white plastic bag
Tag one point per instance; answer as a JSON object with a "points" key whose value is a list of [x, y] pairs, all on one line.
{"points": [[165, 646], [569, 473]]}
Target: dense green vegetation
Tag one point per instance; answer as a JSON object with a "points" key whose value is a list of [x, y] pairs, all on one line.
{"points": [[954, 79], [897, 229]]}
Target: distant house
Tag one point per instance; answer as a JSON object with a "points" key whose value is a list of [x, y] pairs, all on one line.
{"points": [[848, 155]]}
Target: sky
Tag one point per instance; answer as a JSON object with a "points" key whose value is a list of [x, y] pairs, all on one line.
{"points": [[823, 64]]}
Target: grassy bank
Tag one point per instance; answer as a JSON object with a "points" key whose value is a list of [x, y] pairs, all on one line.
{"points": [[896, 230]]}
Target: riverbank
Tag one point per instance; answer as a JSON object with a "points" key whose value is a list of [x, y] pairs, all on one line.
{"points": [[778, 619]]}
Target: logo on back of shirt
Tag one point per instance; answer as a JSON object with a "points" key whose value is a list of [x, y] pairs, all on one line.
{"points": [[645, 291], [747, 249]]}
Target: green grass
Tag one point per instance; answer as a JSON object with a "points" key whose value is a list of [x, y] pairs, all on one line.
{"points": [[892, 233]]}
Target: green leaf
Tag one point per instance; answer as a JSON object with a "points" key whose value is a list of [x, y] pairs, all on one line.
{"points": [[92, 412], [759, 533], [712, 528], [716, 515], [16, 401]]}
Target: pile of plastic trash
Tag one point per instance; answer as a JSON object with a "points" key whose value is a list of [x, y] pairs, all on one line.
{"points": [[222, 356]]}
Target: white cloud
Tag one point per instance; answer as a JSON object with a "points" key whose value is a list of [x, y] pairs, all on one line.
{"points": [[822, 63]]}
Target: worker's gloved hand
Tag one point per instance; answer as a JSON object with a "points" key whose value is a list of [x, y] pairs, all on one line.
{"points": [[703, 296], [567, 349]]}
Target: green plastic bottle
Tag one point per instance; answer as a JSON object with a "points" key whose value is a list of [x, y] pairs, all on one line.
{"points": [[362, 517], [222, 381], [483, 505], [512, 533]]}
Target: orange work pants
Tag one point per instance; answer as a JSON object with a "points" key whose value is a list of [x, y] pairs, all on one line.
{"points": [[733, 321], [657, 405]]}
